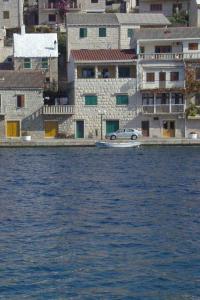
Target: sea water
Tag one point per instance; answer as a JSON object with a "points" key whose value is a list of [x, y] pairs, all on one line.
{"points": [[88, 223]]}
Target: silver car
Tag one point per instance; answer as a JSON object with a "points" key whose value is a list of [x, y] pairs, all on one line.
{"points": [[125, 133]]}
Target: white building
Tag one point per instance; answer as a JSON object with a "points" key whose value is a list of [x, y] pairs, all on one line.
{"points": [[37, 51], [163, 57]]}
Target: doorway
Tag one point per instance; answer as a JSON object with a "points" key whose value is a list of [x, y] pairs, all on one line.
{"points": [[162, 80], [51, 129], [79, 129], [168, 129], [112, 126], [145, 128], [13, 128]]}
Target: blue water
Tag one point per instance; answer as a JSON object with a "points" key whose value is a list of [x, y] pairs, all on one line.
{"points": [[87, 223]]}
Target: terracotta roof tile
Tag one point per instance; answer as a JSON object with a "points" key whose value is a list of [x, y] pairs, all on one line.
{"points": [[103, 55]]}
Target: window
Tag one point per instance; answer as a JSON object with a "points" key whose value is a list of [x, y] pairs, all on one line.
{"points": [[88, 73], [44, 63], [90, 100], [20, 101], [163, 49], [27, 63], [122, 99], [130, 32], [193, 46], [174, 76], [177, 7], [156, 7], [162, 98], [102, 32], [52, 17], [177, 98], [147, 99], [0, 101], [6, 14], [197, 99], [150, 77], [94, 1], [124, 72], [83, 32], [197, 73]]}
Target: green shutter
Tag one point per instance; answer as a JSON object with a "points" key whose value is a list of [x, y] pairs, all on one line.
{"points": [[112, 125], [83, 32], [130, 32], [90, 100], [102, 32], [44, 63], [122, 99], [27, 63]]}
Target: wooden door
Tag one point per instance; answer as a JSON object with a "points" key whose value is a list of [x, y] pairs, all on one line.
{"points": [[112, 126], [145, 128], [168, 129], [13, 128], [51, 128]]}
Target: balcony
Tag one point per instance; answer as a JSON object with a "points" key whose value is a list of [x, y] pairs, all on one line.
{"points": [[58, 110], [163, 109], [167, 84], [169, 56], [56, 5]]}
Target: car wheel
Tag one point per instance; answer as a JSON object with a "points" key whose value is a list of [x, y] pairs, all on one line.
{"points": [[134, 137], [113, 137]]}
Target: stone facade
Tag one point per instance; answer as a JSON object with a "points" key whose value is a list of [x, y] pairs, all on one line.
{"points": [[92, 41], [30, 117], [167, 6], [51, 72], [11, 13]]}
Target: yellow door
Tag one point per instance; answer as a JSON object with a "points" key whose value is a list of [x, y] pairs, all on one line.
{"points": [[51, 128], [13, 129]]}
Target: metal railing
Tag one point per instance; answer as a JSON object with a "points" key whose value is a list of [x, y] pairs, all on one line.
{"points": [[163, 108], [58, 109], [167, 84], [169, 56]]}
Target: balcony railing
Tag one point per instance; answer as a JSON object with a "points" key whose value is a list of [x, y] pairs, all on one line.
{"points": [[58, 109], [167, 84], [55, 5], [169, 56], [163, 109], [2, 111]]}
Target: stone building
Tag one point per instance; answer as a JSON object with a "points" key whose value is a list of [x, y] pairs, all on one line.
{"points": [[50, 11], [163, 59], [21, 100], [166, 7], [194, 13], [37, 51], [11, 13], [106, 31], [104, 89]]}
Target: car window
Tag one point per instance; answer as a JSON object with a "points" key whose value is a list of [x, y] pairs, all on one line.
{"points": [[120, 130], [130, 130]]}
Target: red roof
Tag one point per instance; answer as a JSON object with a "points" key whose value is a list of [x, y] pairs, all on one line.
{"points": [[103, 55]]}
